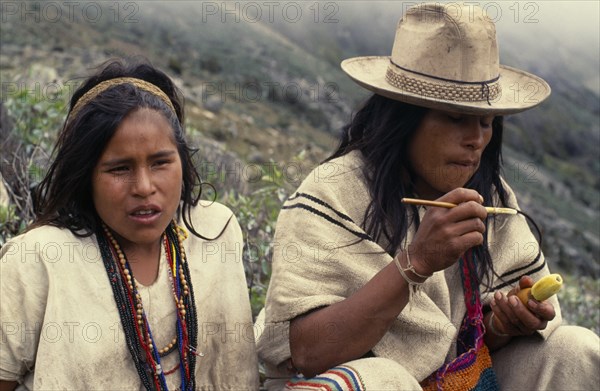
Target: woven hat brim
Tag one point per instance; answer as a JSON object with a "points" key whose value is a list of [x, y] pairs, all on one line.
{"points": [[520, 90]]}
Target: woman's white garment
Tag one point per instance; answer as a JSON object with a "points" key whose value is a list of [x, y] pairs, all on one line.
{"points": [[60, 328], [323, 255]]}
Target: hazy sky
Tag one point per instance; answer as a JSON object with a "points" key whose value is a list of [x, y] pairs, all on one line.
{"points": [[567, 19]]}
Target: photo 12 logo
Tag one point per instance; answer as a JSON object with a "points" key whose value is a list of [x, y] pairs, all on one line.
{"points": [[270, 11], [69, 11], [515, 11], [27, 91]]}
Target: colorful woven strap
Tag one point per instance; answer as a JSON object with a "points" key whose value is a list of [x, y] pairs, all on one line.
{"points": [[472, 368], [340, 378]]}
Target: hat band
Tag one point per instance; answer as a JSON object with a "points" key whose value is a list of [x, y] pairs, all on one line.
{"points": [[451, 90]]}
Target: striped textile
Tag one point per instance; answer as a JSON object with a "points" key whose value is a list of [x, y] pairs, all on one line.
{"points": [[340, 378]]}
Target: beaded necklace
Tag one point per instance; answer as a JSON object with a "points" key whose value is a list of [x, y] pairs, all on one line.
{"points": [[138, 336]]}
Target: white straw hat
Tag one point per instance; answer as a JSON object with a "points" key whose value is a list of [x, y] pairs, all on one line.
{"points": [[445, 56]]}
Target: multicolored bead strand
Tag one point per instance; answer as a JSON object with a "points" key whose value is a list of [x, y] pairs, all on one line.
{"points": [[146, 355]]}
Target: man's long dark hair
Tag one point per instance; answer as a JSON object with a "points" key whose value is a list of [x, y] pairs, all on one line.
{"points": [[64, 197], [382, 130]]}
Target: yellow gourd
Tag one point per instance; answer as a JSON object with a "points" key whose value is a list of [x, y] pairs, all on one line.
{"points": [[541, 290]]}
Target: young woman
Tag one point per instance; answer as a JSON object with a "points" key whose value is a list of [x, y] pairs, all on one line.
{"points": [[370, 293], [126, 281]]}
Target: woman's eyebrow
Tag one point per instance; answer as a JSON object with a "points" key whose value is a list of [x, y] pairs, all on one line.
{"points": [[117, 161], [164, 153]]}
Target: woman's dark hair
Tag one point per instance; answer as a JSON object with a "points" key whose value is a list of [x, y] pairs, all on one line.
{"points": [[64, 197], [382, 130]]}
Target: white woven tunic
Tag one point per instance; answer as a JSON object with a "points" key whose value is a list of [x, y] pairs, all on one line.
{"points": [[60, 328]]}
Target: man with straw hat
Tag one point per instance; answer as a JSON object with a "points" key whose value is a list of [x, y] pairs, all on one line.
{"points": [[368, 292]]}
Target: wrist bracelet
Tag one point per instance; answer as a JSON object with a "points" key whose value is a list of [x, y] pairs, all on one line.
{"points": [[413, 286], [493, 329], [403, 272], [412, 268]]}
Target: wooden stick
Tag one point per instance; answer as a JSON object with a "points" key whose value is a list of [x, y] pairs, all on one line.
{"points": [[448, 205]]}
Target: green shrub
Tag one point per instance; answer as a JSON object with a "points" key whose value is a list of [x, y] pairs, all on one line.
{"points": [[257, 214], [25, 152]]}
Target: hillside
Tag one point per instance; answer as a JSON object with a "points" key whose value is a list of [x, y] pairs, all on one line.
{"points": [[269, 88]]}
